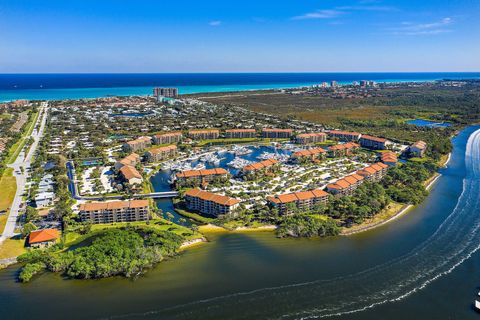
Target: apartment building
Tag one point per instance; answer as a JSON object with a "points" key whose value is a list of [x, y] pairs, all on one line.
{"points": [[137, 144], [131, 175], [262, 166], [115, 211], [204, 134], [240, 133], [201, 176], [372, 142], [305, 200], [309, 154], [306, 138], [374, 172], [210, 203], [345, 186], [168, 138], [165, 92], [418, 149], [273, 133], [161, 153], [389, 158], [130, 160], [344, 135], [344, 149]]}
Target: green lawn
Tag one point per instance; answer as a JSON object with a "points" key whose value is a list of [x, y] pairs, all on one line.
{"points": [[72, 238], [15, 149], [8, 186], [12, 248], [194, 216]]}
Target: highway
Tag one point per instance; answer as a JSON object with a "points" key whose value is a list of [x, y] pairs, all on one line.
{"points": [[21, 166]]}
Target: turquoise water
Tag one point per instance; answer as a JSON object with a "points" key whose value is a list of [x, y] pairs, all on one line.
{"points": [[426, 123], [75, 86]]}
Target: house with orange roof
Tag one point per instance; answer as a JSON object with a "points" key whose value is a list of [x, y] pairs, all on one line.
{"points": [[308, 154], [161, 153], [130, 160], [389, 158], [114, 211], [344, 149], [262, 167], [274, 133], [304, 201], [345, 186], [418, 149], [201, 176], [306, 138], [372, 142], [210, 203], [43, 238], [131, 175], [240, 133], [374, 172]]}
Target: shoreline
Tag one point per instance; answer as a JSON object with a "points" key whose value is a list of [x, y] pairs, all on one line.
{"points": [[211, 228], [404, 209]]}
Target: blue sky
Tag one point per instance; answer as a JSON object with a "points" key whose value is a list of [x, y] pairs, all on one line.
{"points": [[239, 36]]}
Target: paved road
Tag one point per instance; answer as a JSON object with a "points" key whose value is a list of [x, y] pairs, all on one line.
{"points": [[23, 161]]}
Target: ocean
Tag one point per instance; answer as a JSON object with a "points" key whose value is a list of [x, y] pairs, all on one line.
{"points": [[79, 85]]}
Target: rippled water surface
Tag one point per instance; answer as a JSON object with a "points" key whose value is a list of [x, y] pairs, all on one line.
{"points": [[423, 265]]}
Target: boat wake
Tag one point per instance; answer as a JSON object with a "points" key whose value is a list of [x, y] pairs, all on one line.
{"points": [[455, 240]]}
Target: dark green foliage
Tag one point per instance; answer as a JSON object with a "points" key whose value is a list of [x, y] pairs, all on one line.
{"points": [[29, 270], [303, 225], [126, 252]]}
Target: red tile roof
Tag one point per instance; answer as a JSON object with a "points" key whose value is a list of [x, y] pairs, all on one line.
{"points": [[201, 173], [298, 196], [96, 206], [260, 165], [208, 196], [39, 236]]}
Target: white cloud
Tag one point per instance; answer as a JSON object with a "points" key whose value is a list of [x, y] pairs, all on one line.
{"points": [[215, 23], [339, 11], [413, 29]]}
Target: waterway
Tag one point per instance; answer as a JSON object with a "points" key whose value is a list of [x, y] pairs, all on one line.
{"points": [[424, 265]]}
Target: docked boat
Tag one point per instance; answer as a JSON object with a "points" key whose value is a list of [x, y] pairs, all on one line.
{"points": [[477, 305], [238, 163]]}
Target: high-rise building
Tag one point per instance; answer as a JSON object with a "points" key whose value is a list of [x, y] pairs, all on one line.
{"points": [[165, 92]]}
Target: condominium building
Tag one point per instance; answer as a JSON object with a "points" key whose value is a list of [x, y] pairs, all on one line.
{"points": [[167, 138], [161, 153], [165, 92], [374, 172], [372, 142], [137, 144], [115, 211], [131, 175], [344, 135], [240, 133], [306, 138], [309, 154], [418, 149], [204, 134], [201, 176], [210, 203], [345, 186], [130, 160], [273, 133], [263, 166], [389, 158], [344, 149], [305, 200]]}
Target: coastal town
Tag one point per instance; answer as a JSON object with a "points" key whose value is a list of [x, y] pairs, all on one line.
{"points": [[106, 162]]}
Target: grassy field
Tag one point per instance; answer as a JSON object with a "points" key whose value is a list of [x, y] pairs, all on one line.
{"points": [[15, 149], [12, 248], [8, 186], [194, 216], [160, 224]]}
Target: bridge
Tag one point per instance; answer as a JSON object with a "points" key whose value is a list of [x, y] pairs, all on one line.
{"points": [[72, 186]]}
